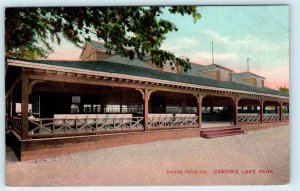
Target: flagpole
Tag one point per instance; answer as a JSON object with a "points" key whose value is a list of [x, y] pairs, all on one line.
{"points": [[248, 65]]}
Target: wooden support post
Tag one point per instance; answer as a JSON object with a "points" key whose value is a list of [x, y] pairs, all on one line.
{"points": [[199, 110], [146, 108], [9, 105], [235, 110], [280, 111], [146, 93], [121, 109], [13, 104], [8, 111], [24, 107], [102, 103], [276, 109], [183, 104], [261, 111]]}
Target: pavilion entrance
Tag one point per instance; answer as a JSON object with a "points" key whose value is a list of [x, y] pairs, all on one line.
{"points": [[217, 111]]}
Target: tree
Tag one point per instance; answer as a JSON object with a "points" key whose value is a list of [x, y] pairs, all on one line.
{"points": [[283, 89], [128, 31]]}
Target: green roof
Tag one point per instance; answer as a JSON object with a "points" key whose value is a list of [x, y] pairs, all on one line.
{"points": [[113, 67], [247, 75]]}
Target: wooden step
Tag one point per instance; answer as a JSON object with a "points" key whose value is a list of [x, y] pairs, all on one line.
{"points": [[220, 129], [221, 132], [210, 136]]}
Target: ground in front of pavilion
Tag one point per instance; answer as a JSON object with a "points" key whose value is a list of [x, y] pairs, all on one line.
{"points": [[258, 157]]}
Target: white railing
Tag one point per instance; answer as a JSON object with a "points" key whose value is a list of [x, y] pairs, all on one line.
{"points": [[170, 121], [285, 117], [271, 117], [248, 117], [74, 125]]}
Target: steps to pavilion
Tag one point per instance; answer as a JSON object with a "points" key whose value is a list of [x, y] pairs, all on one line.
{"points": [[216, 132]]}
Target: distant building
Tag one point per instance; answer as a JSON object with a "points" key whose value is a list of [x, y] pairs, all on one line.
{"points": [[96, 51]]}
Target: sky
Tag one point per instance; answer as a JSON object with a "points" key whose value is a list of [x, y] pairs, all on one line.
{"points": [[260, 33]]}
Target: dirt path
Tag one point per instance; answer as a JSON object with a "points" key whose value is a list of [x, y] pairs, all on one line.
{"points": [[191, 161]]}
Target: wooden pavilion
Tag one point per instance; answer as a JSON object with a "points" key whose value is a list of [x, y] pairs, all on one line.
{"points": [[58, 107]]}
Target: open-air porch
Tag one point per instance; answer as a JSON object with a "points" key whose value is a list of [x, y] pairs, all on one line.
{"points": [[68, 109], [65, 109]]}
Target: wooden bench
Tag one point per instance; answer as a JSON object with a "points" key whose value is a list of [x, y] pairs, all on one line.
{"points": [[64, 119], [160, 119], [90, 119], [184, 118]]}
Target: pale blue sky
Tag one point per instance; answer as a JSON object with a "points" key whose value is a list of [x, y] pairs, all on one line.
{"points": [[238, 32]]}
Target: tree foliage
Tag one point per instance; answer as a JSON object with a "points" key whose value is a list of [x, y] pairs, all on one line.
{"points": [[128, 31], [283, 89]]}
